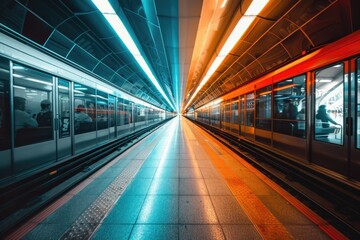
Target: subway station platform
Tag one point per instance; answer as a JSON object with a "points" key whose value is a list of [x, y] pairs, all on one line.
{"points": [[178, 183]]}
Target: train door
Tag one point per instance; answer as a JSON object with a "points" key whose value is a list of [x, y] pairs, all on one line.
{"points": [[242, 115], [5, 125], [33, 114], [235, 116], [249, 128], [353, 122], [331, 112], [112, 115], [102, 116], [64, 119]]}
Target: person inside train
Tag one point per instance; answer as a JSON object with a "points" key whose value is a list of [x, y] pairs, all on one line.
{"points": [[290, 111], [22, 118], [91, 110], [44, 117], [325, 117], [82, 119]]}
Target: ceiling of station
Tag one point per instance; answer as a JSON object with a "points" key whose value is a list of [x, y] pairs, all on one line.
{"points": [[179, 39]]}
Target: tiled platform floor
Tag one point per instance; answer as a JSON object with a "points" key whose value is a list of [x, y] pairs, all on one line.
{"points": [[176, 184]]}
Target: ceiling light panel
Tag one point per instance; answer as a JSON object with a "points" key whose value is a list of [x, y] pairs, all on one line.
{"points": [[113, 19]]}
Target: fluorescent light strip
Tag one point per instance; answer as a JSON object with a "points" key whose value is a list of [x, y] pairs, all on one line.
{"points": [[245, 21], [113, 19]]}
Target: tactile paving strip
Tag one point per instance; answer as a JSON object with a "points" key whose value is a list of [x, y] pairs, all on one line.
{"points": [[90, 219]]}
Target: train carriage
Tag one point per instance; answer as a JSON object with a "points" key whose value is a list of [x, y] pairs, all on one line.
{"points": [[82, 111], [308, 110]]}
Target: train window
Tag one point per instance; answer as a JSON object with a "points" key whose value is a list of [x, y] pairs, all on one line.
{"points": [[64, 108], [263, 108], [32, 105], [329, 102], [289, 106], [5, 129], [357, 124], [84, 102], [102, 110], [250, 109], [235, 115]]}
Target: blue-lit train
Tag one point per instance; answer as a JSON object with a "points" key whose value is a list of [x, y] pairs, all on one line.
{"points": [[308, 110], [50, 111]]}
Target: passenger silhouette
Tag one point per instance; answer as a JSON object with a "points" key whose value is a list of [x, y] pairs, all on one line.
{"points": [[325, 117], [82, 120], [44, 117], [22, 118]]}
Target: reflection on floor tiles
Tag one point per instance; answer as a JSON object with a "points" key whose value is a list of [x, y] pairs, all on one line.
{"points": [[181, 192]]}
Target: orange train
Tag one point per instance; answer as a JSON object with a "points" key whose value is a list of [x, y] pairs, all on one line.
{"points": [[308, 110]]}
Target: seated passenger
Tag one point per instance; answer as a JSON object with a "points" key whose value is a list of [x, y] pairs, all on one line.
{"points": [[22, 118], [325, 117], [44, 117], [81, 117]]}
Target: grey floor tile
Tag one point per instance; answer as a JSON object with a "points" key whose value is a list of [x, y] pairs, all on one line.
{"points": [[151, 163], [205, 164], [203, 232], [169, 163], [229, 211], [113, 231], [210, 173], [138, 186], [194, 186], [217, 187], [186, 163], [196, 210], [126, 210], [167, 172], [146, 172], [243, 232], [164, 186], [154, 232], [190, 173], [159, 209]]}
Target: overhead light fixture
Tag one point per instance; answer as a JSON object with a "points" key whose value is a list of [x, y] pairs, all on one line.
{"points": [[223, 4], [243, 24], [114, 20]]}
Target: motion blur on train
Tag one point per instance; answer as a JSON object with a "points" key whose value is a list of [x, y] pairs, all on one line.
{"points": [[51, 111], [308, 110]]}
